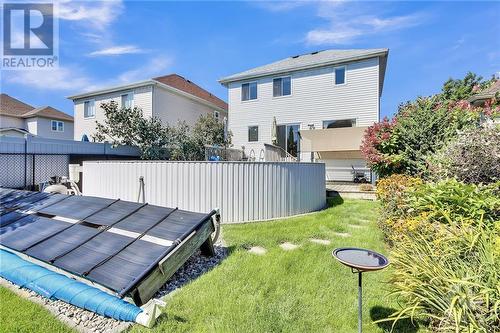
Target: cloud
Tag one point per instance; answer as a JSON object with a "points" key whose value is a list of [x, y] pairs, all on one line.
{"points": [[71, 79], [280, 6], [100, 14], [118, 50], [154, 67]]}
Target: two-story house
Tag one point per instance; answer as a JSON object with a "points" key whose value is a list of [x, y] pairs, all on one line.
{"points": [[18, 119], [314, 106], [170, 98]]}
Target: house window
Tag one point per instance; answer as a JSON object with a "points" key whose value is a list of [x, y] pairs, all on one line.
{"points": [[57, 126], [282, 86], [216, 115], [253, 133], [339, 123], [89, 109], [340, 75], [128, 100], [249, 91], [288, 138]]}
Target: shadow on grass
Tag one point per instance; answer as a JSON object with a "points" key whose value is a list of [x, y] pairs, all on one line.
{"points": [[334, 201], [401, 326]]}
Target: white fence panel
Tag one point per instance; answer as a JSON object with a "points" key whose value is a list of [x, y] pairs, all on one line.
{"points": [[243, 191]]}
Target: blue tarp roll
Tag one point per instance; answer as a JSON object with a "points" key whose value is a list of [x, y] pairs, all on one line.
{"points": [[57, 286]]}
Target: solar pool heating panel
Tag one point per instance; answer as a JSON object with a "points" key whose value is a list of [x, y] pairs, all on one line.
{"points": [[29, 230], [24, 201], [113, 243], [114, 213], [14, 196], [62, 242], [77, 207]]}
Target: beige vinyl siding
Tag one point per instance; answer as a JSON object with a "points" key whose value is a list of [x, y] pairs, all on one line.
{"points": [[314, 99], [44, 128], [7, 121], [171, 107], [142, 99]]}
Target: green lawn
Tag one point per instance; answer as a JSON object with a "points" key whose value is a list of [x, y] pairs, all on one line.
{"points": [[303, 290], [20, 315]]}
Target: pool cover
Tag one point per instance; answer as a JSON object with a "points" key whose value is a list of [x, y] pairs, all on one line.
{"points": [[110, 242]]}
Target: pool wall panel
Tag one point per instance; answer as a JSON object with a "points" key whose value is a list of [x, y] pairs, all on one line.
{"points": [[243, 191]]}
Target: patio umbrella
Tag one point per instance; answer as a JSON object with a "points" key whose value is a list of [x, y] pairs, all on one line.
{"points": [[274, 131]]}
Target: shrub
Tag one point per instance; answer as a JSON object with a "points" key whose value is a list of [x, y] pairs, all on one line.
{"points": [[473, 157], [449, 275], [422, 127], [446, 251], [393, 192]]}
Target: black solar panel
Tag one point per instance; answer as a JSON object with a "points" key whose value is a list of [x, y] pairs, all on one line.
{"points": [[104, 244], [77, 207], [29, 230], [114, 213]]}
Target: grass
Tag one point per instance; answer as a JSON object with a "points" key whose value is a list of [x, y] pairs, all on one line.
{"points": [[21, 315], [303, 290]]}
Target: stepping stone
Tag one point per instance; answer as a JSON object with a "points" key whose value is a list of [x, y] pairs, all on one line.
{"points": [[320, 241], [288, 246], [342, 234], [258, 250], [356, 226]]}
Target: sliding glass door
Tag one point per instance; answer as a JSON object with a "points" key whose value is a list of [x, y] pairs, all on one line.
{"points": [[288, 138]]}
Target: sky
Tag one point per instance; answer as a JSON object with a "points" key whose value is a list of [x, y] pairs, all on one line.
{"points": [[102, 44]]}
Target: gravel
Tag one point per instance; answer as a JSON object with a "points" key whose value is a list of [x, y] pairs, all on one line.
{"points": [[90, 322]]}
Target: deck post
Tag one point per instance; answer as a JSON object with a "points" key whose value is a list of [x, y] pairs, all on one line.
{"points": [[207, 248]]}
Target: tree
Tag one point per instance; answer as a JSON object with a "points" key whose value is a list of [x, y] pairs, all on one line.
{"points": [[420, 128], [128, 126], [207, 131], [462, 89]]}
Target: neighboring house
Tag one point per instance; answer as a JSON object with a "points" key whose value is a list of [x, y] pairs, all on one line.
{"points": [[322, 102], [486, 94], [170, 98], [17, 117]]}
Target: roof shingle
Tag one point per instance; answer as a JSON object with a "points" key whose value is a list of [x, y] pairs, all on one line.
{"points": [[178, 82], [10, 106], [309, 60]]}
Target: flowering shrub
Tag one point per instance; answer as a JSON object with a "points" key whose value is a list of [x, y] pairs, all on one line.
{"points": [[445, 251], [473, 157], [422, 127]]}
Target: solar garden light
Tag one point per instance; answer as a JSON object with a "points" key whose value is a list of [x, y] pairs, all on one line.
{"points": [[360, 260]]}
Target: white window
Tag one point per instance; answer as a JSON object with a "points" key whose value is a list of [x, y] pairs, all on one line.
{"points": [[57, 126], [282, 86], [339, 75], [253, 133], [128, 100], [89, 109], [249, 91], [339, 123], [216, 115]]}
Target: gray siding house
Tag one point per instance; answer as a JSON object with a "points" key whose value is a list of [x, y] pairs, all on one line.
{"points": [[321, 101], [18, 119]]}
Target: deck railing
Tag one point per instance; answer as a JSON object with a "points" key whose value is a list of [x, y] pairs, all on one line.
{"points": [[277, 154]]}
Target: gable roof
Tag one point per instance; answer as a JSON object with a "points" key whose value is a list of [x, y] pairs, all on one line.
{"points": [[487, 93], [10, 106], [178, 82], [48, 112], [174, 82], [306, 61]]}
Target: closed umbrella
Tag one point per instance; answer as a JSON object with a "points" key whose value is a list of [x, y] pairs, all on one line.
{"points": [[274, 132]]}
